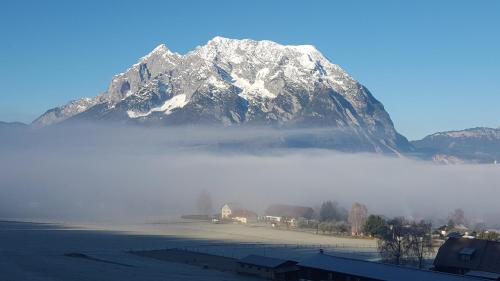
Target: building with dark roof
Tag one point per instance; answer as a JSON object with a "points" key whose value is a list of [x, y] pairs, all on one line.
{"points": [[473, 257], [289, 211], [327, 267], [268, 268]]}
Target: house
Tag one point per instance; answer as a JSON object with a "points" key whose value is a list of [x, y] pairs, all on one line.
{"points": [[327, 267], [237, 214], [287, 214], [472, 257], [268, 268], [243, 216], [226, 211], [272, 219]]}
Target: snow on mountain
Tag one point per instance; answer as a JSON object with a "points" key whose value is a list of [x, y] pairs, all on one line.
{"points": [[178, 101], [475, 144], [230, 82], [62, 113], [476, 133]]}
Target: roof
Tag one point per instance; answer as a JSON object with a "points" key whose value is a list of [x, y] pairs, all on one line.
{"points": [[243, 213], [232, 205], [289, 211], [375, 270], [264, 261], [454, 234], [484, 254], [482, 274]]}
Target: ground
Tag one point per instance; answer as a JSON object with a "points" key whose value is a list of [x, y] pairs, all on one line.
{"points": [[34, 251]]}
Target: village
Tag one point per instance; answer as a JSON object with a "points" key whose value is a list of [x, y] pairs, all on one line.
{"points": [[407, 249]]}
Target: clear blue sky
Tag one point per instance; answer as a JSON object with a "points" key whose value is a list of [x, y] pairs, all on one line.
{"points": [[434, 64]]}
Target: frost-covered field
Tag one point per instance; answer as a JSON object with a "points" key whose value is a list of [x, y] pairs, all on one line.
{"points": [[30, 251], [237, 240]]}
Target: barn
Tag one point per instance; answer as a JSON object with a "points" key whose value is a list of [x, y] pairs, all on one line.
{"points": [[268, 268]]}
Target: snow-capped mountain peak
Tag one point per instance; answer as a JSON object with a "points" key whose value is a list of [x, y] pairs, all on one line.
{"points": [[160, 52], [232, 81]]}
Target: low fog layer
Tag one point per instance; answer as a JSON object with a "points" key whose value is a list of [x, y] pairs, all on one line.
{"points": [[119, 174]]}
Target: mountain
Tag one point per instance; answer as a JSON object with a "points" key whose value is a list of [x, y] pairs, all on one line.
{"points": [[476, 145], [12, 125], [231, 82]]}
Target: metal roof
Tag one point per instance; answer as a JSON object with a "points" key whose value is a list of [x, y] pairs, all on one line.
{"points": [[263, 261], [483, 274], [376, 270]]}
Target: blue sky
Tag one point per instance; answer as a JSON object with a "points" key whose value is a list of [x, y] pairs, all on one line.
{"points": [[435, 65]]}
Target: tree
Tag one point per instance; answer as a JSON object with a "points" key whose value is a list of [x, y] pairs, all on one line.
{"points": [[326, 227], [489, 235], [327, 211], [308, 214], [392, 245], [480, 227], [420, 242], [330, 211], [406, 242], [357, 218], [375, 226], [204, 203], [458, 217], [451, 225], [341, 227]]}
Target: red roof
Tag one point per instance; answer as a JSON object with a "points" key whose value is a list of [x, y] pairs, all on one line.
{"points": [[289, 211], [242, 213]]}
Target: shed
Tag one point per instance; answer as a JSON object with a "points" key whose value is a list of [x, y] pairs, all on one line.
{"points": [[328, 267], [268, 268]]}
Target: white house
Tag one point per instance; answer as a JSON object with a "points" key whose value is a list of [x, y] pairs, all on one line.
{"points": [[273, 218], [240, 219], [230, 212], [226, 212]]}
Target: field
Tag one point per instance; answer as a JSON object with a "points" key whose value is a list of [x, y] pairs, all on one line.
{"points": [[36, 251]]}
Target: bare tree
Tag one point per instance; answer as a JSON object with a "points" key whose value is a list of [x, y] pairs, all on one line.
{"points": [[357, 218], [420, 242], [406, 242], [204, 203], [392, 245]]}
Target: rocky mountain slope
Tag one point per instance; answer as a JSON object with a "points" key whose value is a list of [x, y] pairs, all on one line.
{"points": [[232, 82], [476, 144]]}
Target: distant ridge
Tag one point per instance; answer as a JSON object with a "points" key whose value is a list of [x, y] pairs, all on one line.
{"points": [[479, 144]]}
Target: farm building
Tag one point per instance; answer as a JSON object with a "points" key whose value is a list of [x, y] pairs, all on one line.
{"points": [[472, 257], [226, 211], [287, 215], [326, 267], [289, 211], [268, 268], [237, 214]]}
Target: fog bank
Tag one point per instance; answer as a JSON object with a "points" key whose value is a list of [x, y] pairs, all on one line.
{"points": [[104, 173]]}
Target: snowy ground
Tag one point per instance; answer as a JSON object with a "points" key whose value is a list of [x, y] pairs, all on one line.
{"points": [[31, 251]]}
